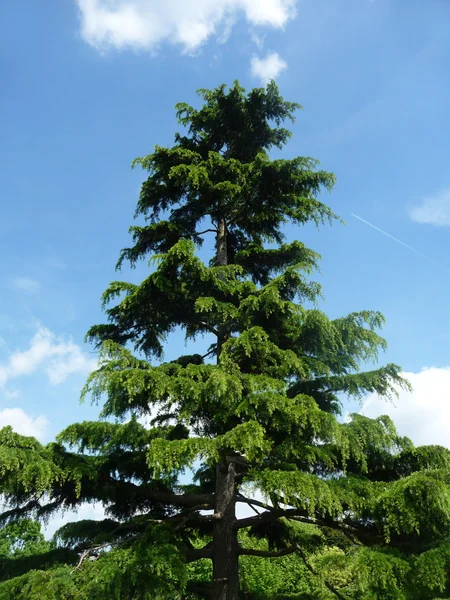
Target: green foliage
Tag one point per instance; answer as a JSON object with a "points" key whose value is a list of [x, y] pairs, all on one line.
{"points": [[351, 509], [22, 537]]}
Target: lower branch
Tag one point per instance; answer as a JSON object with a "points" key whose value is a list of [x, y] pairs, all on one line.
{"points": [[250, 504], [332, 589], [268, 516], [189, 500], [351, 530], [192, 515], [201, 589], [253, 502], [198, 553], [210, 352], [267, 553], [90, 551]]}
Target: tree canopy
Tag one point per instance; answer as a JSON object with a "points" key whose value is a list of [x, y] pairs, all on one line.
{"points": [[339, 508]]}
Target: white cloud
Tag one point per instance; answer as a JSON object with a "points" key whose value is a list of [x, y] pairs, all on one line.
{"points": [[94, 512], [25, 284], [433, 210], [424, 414], [145, 24], [57, 357], [258, 40], [22, 423], [267, 68]]}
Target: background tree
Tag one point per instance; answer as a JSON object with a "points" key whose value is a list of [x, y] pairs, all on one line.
{"points": [[255, 414], [22, 537]]}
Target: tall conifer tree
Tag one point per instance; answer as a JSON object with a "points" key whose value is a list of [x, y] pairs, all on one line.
{"points": [[257, 413]]}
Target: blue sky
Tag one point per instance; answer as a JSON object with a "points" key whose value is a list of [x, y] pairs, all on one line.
{"points": [[87, 88]]}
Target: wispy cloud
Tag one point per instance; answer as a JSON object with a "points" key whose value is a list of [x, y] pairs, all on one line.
{"points": [[146, 24], [400, 242], [25, 284], [11, 394], [267, 68], [58, 358], [258, 40], [433, 210]]}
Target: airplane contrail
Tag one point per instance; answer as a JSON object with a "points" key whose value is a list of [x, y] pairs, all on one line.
{"points": [[399, 241]]}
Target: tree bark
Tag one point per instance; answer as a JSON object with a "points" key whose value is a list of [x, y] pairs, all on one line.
{"points": [[221, 243], [225, 552], [221, 260]]}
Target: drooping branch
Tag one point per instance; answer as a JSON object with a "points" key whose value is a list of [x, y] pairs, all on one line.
{"points": [[351, 531], [308, 565], [19, 511]]}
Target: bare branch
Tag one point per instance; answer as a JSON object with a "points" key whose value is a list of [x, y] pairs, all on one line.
{"points": [[212, 351], [268, 516], [89, 551], [209, 328], [188, 500], [182, 499], [193, 516], [206, 231], [253, 502], [198, 553], [242, 499]]}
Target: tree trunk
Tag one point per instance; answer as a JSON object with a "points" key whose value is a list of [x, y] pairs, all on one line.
{"points": [[221, 243], [225, 544], [221, 260]]}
